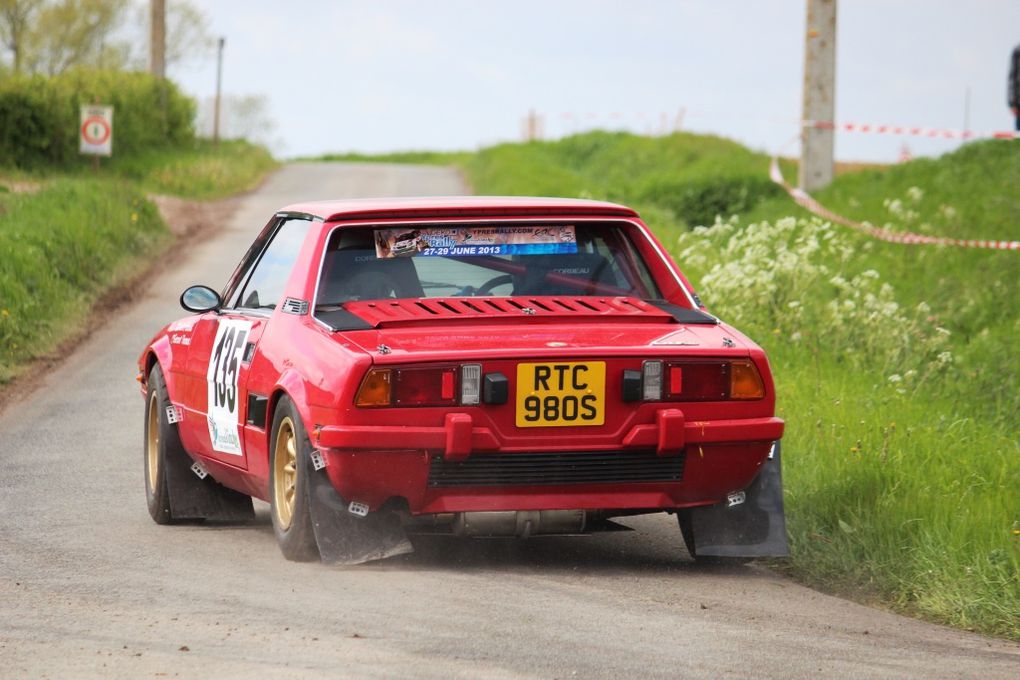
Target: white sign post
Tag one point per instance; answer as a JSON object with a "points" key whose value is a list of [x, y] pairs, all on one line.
{"points": [[96, 130]]}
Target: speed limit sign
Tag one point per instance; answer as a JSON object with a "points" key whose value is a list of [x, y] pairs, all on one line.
{"points": [[96, 130]]}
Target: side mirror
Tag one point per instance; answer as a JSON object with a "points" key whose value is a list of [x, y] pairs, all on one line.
{"points": [[200, 299]]}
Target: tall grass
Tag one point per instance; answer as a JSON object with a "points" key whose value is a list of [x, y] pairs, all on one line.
{"points": [[199, 170], [691, 177], [61, 248], [897, 367]]}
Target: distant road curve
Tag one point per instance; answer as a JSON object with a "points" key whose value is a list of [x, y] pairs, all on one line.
{"points": [[90, 587]]}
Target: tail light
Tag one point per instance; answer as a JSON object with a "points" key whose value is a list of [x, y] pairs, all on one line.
{"points": [[745, 381], [701, 381], [420, 386], [376, 388]]}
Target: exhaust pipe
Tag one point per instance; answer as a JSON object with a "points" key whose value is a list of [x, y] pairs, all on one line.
{"points": [[521, 523]]}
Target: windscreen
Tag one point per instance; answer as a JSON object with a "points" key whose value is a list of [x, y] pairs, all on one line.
{"points": [[474, 260]]}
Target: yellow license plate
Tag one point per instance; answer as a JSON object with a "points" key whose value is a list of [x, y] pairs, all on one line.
{"points": [[561, 394]]}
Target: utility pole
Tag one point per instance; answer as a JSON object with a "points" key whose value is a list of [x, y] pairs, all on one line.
{"points": [[531, 124], [157, 38], [966, 111], [816, 155], [219, 85]]}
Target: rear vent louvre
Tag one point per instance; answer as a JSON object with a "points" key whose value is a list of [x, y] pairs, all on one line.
{"points": [[560, 307], [538, 469]]}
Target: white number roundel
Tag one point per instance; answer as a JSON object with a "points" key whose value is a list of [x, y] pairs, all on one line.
{"points": [[224, 397]]}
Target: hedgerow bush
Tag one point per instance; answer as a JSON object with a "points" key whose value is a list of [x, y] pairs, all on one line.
{"points": [[40, 116], [798, 277], [699, 201], [694, 178]]}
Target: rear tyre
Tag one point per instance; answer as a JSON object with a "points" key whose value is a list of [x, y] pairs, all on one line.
{"points": [[683, 518], [289, 456], [158, 436]]}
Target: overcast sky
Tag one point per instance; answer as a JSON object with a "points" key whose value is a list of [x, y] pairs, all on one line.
{"points": [[345, 75]]}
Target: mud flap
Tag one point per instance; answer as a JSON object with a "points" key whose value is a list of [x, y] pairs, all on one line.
{"points": [[754, 528], [345, 538], [194, 498]]}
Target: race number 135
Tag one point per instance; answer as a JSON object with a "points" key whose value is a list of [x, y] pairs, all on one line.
{"points": [[224, 366]]}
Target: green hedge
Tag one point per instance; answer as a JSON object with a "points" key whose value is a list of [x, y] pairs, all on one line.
{"points": [[40, 117], [698, 201]]}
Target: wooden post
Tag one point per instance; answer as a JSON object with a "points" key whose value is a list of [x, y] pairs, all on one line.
{"points": [[95, 157], [157, 38]]}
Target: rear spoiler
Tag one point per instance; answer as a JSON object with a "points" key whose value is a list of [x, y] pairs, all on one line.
{"points": [[443, 213]]}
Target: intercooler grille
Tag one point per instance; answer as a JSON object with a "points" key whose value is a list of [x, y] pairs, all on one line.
{"points": [[571, 467]]}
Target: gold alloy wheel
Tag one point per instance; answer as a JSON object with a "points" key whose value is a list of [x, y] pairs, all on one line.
{"points": [[152, 448], [284, 473]]}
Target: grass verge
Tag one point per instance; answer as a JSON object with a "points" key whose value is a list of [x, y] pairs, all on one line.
{"points": [[204, 171], [409, 157], [71, 237], [63, 246], [198, 171], [896, 366]]}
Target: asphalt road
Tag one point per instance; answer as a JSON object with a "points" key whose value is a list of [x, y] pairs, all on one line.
{"points": [[91, 587]]}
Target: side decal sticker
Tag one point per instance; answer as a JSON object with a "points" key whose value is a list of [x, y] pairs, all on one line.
{"points": [[224, 404]]}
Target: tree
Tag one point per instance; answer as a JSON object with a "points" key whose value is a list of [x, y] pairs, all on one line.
{"points": [[243, 117], [15, 18], [70, 33], [187, 34], [51, 36]]}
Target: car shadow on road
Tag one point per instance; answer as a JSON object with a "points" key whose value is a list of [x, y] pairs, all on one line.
{"points": [[653, 547]]}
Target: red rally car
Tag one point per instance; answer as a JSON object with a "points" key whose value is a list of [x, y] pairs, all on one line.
{"points": [[531, 366]]}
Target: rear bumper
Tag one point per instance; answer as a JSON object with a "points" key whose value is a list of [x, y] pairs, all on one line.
{"points": [[458, 438], [718, 457]]}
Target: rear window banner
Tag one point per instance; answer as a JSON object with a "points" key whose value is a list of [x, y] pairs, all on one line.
{"points": [[475, 241]]}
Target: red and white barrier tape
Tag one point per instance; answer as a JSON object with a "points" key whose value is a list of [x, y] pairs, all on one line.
{"points": [[805, 199], [678, 117], [909, 131]]}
